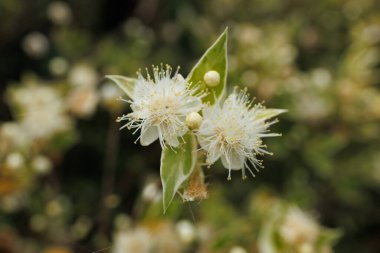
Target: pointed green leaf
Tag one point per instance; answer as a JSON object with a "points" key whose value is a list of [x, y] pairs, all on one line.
{"points": [[269, 113], [215, 58], [177, 165], [125, 83]]}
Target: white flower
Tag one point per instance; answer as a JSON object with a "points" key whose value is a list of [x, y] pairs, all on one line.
{"points": [[299, 229], [43, 111], [237, 249], [83, 75], [35, 44], [186, 231], [59, 12], [41, 164], [151, 192], [233, 131], [14, 161], [160, 106], [136, 241], [82, 102]]}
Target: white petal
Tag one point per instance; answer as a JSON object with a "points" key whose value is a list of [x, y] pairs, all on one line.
{"points": [[139, 110], [209, 111], [192, 104], [233, 161], [202, 141], [140, 88], [213, 151], [206, 128], [179, 78], [148, 135], [135, 107], [213, 155], [181, 131], [171, 140]]}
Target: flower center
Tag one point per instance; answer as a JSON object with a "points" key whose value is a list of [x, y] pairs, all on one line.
{"points": [[163, 111], [226, 139]]}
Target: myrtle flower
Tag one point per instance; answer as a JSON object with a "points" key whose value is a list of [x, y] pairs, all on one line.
{"points": [[298, 228], [160, 106], [234, 131], [135, 241], [43, 111]]}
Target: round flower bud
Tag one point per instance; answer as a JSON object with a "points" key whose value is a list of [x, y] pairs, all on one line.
{"points": [[212, 78], [193, 120]]}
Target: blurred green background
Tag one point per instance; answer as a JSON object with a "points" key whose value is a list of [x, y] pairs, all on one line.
{"points": [[70, 181]]}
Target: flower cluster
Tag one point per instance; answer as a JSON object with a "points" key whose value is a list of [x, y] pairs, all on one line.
{"points": [[195, 122], [167, 106], [43, 127]]}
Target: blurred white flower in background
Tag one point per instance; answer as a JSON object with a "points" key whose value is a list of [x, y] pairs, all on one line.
{"points": [[58, 66], [109, 95], [151, 236], [287, 228], [83, 98], [151, 192], [321, 78], [299, 230], [14, 161], [35, 44], [83, 75], [237, 249], [59, 13], [82, 102], [186, 231], [134, 241], [41, 164], [42, 111], [12, 136]]}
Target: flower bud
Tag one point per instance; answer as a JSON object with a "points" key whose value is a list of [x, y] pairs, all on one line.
{"points": [[212, 78], [193, 120]]}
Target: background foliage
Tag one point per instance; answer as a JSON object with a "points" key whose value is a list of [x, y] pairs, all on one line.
{"points": [[71, 182]]}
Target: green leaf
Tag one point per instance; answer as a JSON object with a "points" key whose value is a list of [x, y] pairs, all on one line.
{"points": [[125, 83], [215, 58], [177, 165], [269, 113]]}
